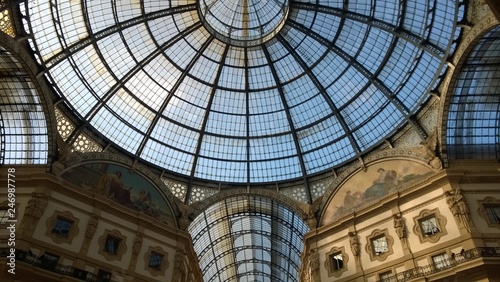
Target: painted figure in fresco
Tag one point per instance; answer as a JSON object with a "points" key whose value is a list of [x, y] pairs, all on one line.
{"points": [[111, 185], [386, 182], [119, 192]]}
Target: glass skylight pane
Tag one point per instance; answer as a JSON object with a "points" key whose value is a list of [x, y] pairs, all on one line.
{"points": [[146, 90], [44, 30], [118, 132], [115, 53], [374, 49], [74, 90], [401, 62], [310, 112], [387, 11], [299, 90], [330, 155], [162, 71], [176, 136], [326, 26], [265, 101], [94, 72], [72, 21], [224, 148], [230, 102], [330, 68], [364, 106], [415, 16], [224, 171], [275, 170], [268, 124], [230, 125], [351, 37], [272, 147], [139, 41], [131, 110], [347, 86], [380, 125], [193, 92], [167, 157], [303, 17], [128, 9], [261, 77], [97, 11], [320, 134]]}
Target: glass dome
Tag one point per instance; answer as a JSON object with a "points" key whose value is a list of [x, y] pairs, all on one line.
{"points": [[243, 91]]}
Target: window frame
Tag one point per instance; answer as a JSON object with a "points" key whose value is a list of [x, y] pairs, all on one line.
{"points": [[484, 205], [72, 232], [370, 248], [441, 225], [4, 215], [121, 248], [335, 251], [385, 276], [156, 271], [444, 258]]}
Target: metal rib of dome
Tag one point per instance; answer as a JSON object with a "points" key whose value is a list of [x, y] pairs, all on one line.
{"points": [[338, 78]]}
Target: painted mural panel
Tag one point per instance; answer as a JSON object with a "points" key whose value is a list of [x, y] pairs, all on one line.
{"points": [[122, 186], [380, 180]]}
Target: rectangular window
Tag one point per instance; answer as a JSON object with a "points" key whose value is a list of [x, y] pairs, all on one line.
{"points": [[429, 226], [155, 260], [112, 244], [493, 213], [385, 277], [103, 276], [62, 227], [379, 245], [49, 261], [4, 216], [336, 261], [441, 261]]}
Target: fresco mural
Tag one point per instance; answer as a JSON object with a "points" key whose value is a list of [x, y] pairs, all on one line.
{"points": [[365, 187], [122, 186]]}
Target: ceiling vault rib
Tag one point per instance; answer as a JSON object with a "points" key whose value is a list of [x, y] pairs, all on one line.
{"points": [[398, 31], [176, 86], [322, 90], [94, 37], [120, 82], [290, 122], [403, 109], [204, 123], [247, 95]]}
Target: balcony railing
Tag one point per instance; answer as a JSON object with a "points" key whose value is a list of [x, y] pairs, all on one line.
{"points": [[460, 258], [51, 265]]}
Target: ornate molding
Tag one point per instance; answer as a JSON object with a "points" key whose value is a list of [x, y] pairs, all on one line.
{"points": [[73, 231], [441, 222]]}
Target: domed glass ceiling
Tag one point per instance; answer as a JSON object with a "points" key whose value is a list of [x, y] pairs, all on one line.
{"points": [[243, 91]]}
